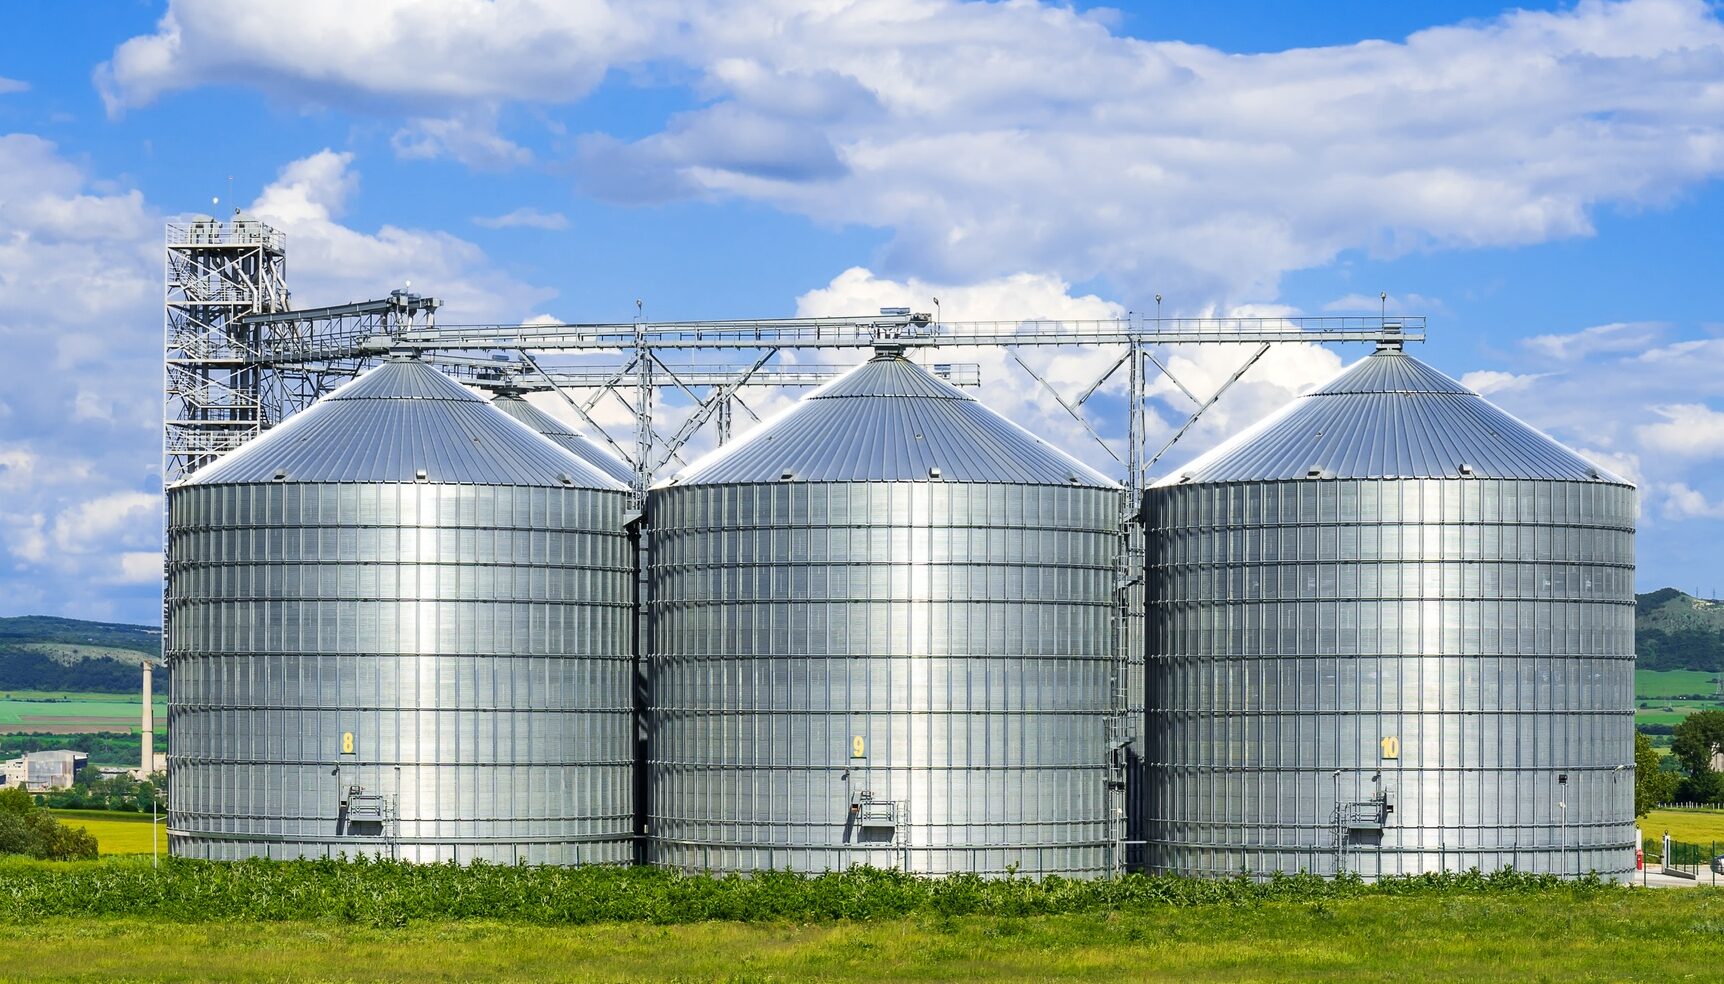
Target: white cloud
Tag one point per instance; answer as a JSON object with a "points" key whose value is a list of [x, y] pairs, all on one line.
{"points": [[993, 138], [139, 567], [1621, 337], [1682, 502], [116, 519], [17, 466], [12, 85], [1488, 381], [1690, 429], [80, 298], [470, 138], [333, 263], [27, 536], [525, 217]]}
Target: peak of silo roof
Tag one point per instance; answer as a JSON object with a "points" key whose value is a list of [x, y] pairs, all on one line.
{"points": [[564, 436], [1390, 416], [394, 422], [890, 420]]}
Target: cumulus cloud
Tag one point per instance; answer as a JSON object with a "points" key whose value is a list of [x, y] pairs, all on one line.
{"points": [[1597, 340], [1691, 429], [80, 523], [1488, 381], [334, 263], [12, 85], [1682, 502], [1628, 398], [470, 138], [994, 138], [525, 217]]}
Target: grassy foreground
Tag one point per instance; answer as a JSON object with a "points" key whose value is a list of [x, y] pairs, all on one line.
{"points": [[1554, 935]]}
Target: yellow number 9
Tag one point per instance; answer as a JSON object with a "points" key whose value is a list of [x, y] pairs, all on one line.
{"points": [[858, 747]]}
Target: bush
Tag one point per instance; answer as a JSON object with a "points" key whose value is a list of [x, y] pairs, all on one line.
{"points": [[388, 893], [29, 830]]}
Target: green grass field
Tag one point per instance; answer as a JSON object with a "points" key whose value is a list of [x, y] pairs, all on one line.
{"points": [[1657, 684], [74, 713], [1554, 936], [1672, 718], [1688, 826], [117, 833]]}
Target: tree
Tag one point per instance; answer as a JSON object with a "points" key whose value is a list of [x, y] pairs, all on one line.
{"points": [[27, 829], [1652, 785], [1698, 738]]}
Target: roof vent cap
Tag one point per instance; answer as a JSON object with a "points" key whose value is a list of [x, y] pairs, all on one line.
{"points": [[1466, 470], [786, 476], [419, 475], [564, 478], [934, 472], [1315, 471], [280, 475]]}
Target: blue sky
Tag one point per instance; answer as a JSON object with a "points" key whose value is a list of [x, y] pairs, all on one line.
{"points": [[1541, 182]]}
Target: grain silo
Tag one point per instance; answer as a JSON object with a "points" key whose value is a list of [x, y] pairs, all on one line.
{"points": [[880, 634], [1391, 631], [399, 624], [514, 403]]}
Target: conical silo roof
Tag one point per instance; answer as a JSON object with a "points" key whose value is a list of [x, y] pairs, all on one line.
{"points": [[564, 436], [890, 420], [1390, 416], [393, 422]]}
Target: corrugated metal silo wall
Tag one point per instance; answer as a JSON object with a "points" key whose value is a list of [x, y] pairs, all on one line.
{"points": [[908, 675], [1481, 632], [474, 640]]}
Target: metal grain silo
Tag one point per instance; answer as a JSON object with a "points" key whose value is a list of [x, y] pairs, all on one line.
{"points": [[515, 405], [880, 634], [1391, 631], [399, 623]]}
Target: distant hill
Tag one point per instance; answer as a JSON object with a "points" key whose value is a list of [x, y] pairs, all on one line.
{"points": [[1677, 631], [39, 652]]}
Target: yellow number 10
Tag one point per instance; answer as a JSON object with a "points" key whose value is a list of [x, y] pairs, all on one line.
{"points": [[1391, 747]]}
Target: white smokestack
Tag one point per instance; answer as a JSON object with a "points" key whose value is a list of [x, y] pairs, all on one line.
{"points": [[149, 756]]}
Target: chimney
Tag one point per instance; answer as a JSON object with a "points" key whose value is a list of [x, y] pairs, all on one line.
{"points": [[149, 742]]}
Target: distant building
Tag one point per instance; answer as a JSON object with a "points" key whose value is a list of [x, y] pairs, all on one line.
{"points": [[41, 772]]}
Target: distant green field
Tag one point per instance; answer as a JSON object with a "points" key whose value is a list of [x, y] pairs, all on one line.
{"points": [[1661, 688], [1656, 684], [1671, 718], [74, 713], [1705, 827], [115, 832]]}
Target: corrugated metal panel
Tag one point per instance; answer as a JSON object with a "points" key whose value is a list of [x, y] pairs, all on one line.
{"points": [[901, 674], [1390, 416], [402, 417], [564, 436], [475, 643], [1381, 677], [891, 420]]}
